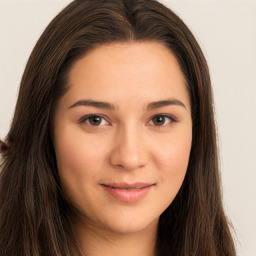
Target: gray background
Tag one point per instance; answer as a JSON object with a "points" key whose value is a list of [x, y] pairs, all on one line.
{"points": [[226, 30]]}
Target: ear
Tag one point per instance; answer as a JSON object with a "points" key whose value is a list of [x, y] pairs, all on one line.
{"points": [[3, 147]]}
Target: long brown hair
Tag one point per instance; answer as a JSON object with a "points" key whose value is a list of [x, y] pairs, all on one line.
{"points": [[34, 215]]}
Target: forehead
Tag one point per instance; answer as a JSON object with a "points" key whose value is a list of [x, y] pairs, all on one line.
{"points": [[136, 70]]}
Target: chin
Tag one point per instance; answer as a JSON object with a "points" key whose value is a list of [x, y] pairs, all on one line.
{"points": [[128, 225]]}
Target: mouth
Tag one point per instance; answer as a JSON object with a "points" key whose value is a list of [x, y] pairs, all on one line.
{"points": [[124, 185], [128, 192]]}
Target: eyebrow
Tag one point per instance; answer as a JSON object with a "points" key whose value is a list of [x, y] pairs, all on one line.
{"points": [[109, 106], [96, 104], [163, 103]]}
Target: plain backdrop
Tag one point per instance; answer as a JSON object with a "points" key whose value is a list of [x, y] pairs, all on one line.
{"points": [[226, 31]]}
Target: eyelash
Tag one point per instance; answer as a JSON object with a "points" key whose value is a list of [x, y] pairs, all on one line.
{"points": [[86, 118]]}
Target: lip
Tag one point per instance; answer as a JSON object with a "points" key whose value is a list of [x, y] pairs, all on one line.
{"points": [[128, 192]]}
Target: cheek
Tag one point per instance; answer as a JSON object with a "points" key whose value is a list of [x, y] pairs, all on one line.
{"points": [[173, 152], [76, 152], [78, 162], [172, 161], [70, 157]]}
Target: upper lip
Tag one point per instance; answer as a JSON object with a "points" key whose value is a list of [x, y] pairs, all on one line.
{"points": [[128, 185]]}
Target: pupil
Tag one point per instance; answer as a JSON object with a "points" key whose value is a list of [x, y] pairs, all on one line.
{"points": [[95, 120], [159, 120]]}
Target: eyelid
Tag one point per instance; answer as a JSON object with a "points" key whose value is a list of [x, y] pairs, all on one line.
{"points": [[171, 117], [85, 118]]}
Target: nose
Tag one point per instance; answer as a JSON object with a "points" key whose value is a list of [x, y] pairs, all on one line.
{"points": [[129, 149]]}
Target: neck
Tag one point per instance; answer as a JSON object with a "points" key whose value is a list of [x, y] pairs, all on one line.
{"points": [[95, 242]]}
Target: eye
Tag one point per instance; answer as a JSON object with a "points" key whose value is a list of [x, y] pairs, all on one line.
{"points": [[94, 120], [162, 120]]}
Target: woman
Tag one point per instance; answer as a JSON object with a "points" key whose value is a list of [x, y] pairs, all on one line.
{"points": [[112, 149]]}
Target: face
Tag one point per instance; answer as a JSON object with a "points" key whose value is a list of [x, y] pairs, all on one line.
{"points": [[122, 135]]}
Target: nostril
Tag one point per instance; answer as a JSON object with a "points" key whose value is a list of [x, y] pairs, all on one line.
{"points": [[128, 160]]}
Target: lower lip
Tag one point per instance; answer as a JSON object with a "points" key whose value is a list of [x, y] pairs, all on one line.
{"points": [[124, 195]]}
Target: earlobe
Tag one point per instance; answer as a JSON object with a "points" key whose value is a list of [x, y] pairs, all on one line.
{"points": [[3, 147]]}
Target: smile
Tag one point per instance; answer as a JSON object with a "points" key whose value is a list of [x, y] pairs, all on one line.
{"points": [[128, 192]]}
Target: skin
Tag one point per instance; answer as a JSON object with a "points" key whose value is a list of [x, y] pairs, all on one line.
{"points": [[126, 145]]}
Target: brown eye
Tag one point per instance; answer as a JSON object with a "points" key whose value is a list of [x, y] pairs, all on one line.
{"points": [[161, 120], [158, 120], [93, 120]]}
